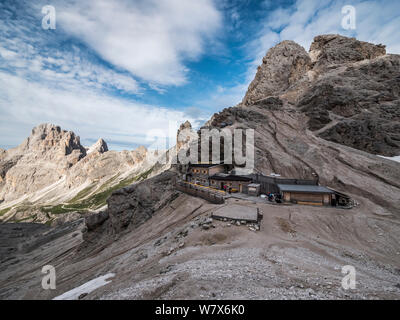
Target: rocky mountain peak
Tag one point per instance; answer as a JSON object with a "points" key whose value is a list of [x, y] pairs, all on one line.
{"points": [[283, 65], [288, 65], [52, 167], [348, 89], [142, 150], [100, 146], [46, 137], [185, 125], [336, 49], [184, 134]]}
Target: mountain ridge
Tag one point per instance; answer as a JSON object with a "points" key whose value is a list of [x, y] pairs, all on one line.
{"points": [[51, 172]]}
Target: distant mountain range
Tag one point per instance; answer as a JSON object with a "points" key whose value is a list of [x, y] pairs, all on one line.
{"points": [[51, 175]]}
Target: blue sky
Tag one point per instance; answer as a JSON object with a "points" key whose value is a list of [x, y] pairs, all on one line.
{"points": [[132, 70]]}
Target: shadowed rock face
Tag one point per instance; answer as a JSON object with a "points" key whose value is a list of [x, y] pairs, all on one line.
{"points": [[133, 205], [364, 102], [333, 49], [348, 89]]}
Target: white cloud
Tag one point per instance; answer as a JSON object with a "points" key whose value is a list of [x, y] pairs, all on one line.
{"points": [[49, 77], [35, 55], [377, 22], [301, 22], [7, 54], [151, 39], [87, 113]]}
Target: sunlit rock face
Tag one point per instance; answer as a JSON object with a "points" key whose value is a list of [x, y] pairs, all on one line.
{"points": [[284, 65], [51, 167]]}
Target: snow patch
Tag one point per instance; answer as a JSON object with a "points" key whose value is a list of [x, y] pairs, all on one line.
{"points": [[91, 149], [88, 287], [396, 158]]}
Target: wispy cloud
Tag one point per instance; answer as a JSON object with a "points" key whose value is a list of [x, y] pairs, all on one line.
{"points": [[377, 22], [301, 21], [87, 74], [151, 39], [119, 122], [31, 52]]}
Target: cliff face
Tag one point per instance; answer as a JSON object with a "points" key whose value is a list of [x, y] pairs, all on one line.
{"points": [[333, 49], [282, 67], [42, 159], [52, 173], [348, 89]]}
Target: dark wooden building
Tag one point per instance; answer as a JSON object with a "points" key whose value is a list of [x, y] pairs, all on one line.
{"points": [[199, 173], [306, 194], [235, 182]]}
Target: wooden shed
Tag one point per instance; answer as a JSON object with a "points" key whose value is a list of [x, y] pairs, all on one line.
{"points": [[306, 194]]}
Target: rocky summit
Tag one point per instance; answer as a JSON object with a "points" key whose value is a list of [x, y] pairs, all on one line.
{"points": [[51, 173], [330, 114], [348, 89]]}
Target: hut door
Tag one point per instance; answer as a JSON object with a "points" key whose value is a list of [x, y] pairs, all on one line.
{"points": [[240, 187]]}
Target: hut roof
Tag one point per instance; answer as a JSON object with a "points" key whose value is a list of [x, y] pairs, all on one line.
{"points": [[303, 188], [229, 177], [204, 165]]}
